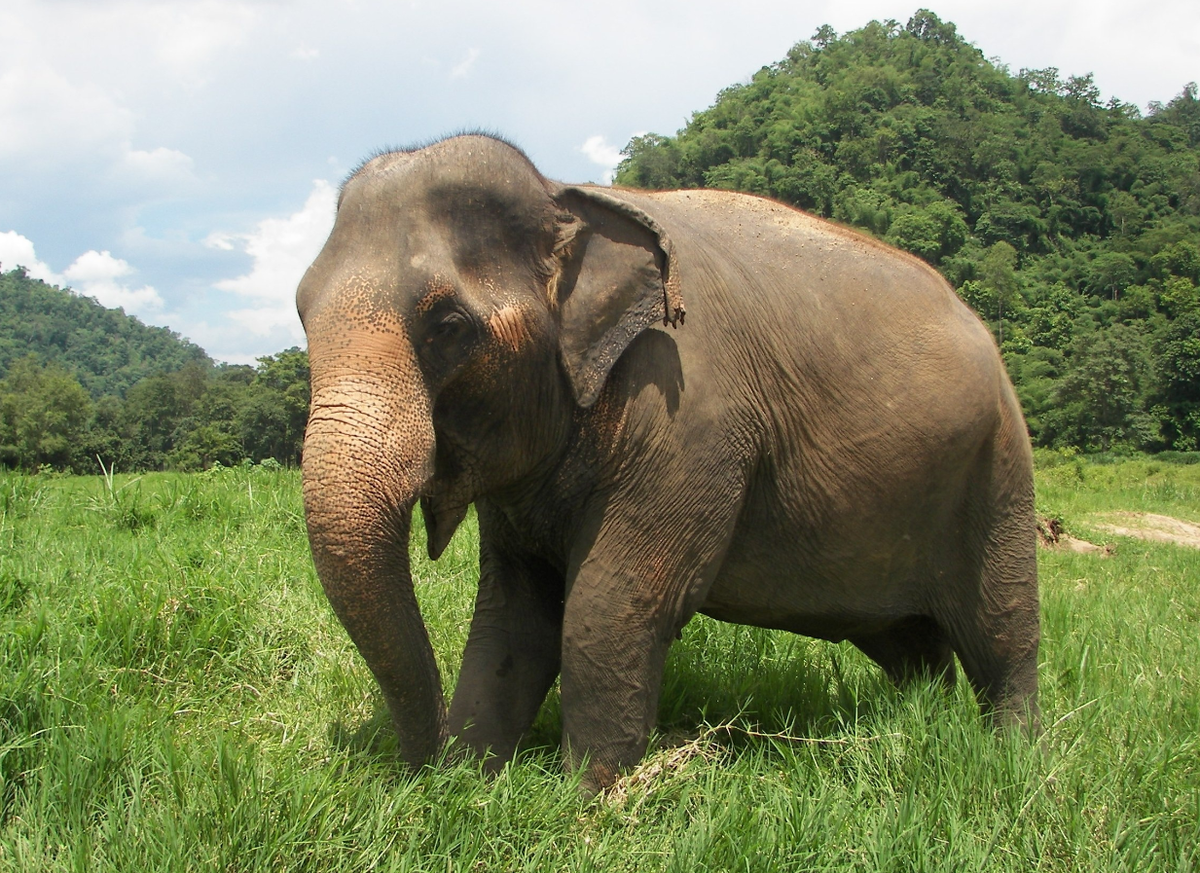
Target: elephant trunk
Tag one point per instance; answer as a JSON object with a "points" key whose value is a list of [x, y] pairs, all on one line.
{"points": [[368, 452]]}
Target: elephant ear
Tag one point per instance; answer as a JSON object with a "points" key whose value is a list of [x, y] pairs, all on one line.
{"points": [[615, 275]]}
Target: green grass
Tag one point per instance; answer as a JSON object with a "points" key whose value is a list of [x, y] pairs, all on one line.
{"points": [[175, 693]]}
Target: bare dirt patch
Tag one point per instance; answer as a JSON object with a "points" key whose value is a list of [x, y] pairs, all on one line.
{"points": [[1052, 536], [1148, 526]]}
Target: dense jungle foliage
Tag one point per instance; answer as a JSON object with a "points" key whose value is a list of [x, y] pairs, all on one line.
{"points": [[1071, 225], [83, 387]]}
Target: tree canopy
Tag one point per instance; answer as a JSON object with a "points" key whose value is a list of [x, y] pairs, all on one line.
{"points": [[1071, 225]]}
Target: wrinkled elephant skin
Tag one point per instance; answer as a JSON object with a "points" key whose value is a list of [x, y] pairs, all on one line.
{"points": [[827, 444]]}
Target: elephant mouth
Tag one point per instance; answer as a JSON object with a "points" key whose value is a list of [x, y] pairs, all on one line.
{"points": [[443, 512]]}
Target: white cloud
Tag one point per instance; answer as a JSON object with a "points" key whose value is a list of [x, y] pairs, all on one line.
{"points": [[282, 249], [599, 151], [95, 274], [159, 165], [221, 241], [80, 83], [262, 321], [191, 35], [92, 274], [97, 266], [17, 251], [42, 112], [48, 121], [305, 53], [463, 68]]}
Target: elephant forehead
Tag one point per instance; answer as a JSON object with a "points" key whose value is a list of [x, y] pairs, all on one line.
{"points": [[361, 298], [349, 332]]}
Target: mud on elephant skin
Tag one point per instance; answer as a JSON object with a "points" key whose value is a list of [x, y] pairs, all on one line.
{"points": [[826, 444]]}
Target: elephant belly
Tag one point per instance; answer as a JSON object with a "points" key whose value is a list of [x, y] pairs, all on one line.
{"points": [[790, 597], [840, 578], [831, 627], [857, 548]]}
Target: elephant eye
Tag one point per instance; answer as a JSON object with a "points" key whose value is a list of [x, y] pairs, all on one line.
{"points": [[448, 339], [451, 326]]}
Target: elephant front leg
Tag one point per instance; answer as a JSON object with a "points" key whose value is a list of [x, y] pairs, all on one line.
{"points": [[513, 649], [630, 595], [614, 651]]}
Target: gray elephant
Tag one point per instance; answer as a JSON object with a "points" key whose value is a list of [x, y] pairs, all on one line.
{"points": [[829, 446]]}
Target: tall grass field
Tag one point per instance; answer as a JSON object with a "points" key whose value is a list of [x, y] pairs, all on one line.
{"points": [[176, 694]]}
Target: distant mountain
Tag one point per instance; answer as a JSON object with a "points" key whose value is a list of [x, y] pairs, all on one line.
{"points": [[156, 400], [105, 349]]}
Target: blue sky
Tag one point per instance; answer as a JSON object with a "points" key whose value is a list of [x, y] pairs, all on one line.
{"points": [[180, 158]]}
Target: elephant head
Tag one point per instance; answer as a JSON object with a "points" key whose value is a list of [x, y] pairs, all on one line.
{"points": [[461, 313]]}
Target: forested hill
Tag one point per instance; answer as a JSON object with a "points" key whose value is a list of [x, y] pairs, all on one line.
{"points": [[105, 349], [1070, 224], [83, 386]]}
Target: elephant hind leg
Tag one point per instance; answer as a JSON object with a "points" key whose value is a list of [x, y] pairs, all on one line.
{"points": [[999, 653], [984, 588], [914, 648], [994, 623]]}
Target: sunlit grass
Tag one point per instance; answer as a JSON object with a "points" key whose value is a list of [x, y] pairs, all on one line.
{"points": [[176, 694]]}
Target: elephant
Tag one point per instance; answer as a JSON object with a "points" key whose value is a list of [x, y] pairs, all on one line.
{"points": [[828, 443]]}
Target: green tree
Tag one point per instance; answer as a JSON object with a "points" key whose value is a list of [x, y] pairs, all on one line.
{"points": [[106, 350], [1050, 319], [1036, 375], [998, 276], [207, 433], [1111, 273], [649, 161], [1179, 297], [43, 411], [273, 418], [154, 411], [204, 445], [933, 232], [1179, 379], [1182, 112], [1102, 400], [1180, 259], [1056, 216]]}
